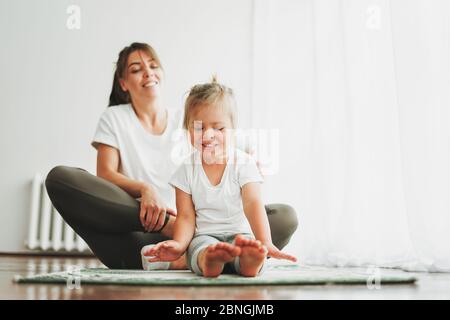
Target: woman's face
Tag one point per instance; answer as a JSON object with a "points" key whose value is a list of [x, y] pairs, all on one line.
{"points": [[209, 131], [142, 78]]}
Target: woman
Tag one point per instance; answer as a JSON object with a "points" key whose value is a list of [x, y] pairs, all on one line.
{"points": [[134, 142]]}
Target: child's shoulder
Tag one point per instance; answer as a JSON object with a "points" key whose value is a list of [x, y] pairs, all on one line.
{"points": [[186, 163], [243, 162], [242, 159]]}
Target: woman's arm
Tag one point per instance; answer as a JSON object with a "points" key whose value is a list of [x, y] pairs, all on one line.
{"points": [[108, 161], [257, 217], [153, 211]]}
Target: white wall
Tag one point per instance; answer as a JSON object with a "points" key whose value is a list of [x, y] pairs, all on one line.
{"points": [[55, 82]]}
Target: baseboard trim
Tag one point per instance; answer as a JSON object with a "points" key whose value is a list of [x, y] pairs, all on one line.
{"points": [[48, 254]]}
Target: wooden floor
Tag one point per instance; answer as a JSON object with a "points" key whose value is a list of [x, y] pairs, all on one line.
{"points": [[429, 286]]}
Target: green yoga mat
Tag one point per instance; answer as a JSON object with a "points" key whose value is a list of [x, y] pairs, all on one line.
{"points": [[288, 274]]}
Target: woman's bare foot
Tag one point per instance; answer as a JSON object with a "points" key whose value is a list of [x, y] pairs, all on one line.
{"points": [[212, 259], [252, 257], [179, 264]]}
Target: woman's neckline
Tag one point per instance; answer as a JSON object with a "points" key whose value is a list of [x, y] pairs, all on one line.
{"points": [[139, 123]]}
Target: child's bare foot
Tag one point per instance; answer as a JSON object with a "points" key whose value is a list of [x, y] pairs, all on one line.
{"points": [[212, 259], [252, 257]]}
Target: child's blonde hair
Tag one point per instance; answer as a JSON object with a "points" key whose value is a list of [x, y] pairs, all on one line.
{"points": [[213, 94]]}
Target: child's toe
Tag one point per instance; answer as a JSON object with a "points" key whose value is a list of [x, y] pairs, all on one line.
{"points": [[236, 251]]}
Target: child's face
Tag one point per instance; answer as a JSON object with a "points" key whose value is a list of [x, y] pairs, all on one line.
{"points": [[209, 130]]}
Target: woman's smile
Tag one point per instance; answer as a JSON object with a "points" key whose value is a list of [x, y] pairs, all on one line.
{"points": [[150, 84]]}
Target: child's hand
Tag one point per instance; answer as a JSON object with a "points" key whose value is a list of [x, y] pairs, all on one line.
{"points": [[274, 252], [169, 250]]}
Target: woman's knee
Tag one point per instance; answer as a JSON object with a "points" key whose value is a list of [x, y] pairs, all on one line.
{"points": [[88, 187], [60, 175], [283, 223], [69, 189], [55, 177], [289, 217], [283, 217]]}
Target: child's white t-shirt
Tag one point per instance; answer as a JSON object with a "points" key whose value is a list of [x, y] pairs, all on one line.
{"points": [[143, 156], [218, 208]]}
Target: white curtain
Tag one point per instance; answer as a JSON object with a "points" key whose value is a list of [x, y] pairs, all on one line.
{"points": [[360, 91]]}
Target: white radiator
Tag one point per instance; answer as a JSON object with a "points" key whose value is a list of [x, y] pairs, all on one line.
{"points": [[48, 232]]}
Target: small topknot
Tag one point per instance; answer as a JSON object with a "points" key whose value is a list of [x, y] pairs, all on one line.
{"points": [[214, 79]]}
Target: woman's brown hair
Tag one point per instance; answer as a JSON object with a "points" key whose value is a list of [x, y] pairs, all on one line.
{"points": [[118, 96]]}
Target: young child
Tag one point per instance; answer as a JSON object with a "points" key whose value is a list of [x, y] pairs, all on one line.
{"points": [[222, 222]]}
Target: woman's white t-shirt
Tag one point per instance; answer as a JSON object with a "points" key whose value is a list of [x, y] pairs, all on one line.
{"points": [[143, 156], [218, 209]]}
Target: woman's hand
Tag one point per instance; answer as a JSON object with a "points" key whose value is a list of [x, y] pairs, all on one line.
{"points": [[169, 250], [153, 210], [274, 252]]}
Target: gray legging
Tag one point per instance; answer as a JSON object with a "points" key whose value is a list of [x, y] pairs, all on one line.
{"points": [[107, 217]]}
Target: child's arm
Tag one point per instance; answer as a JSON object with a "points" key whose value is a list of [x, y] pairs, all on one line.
{"points": [[257, 217], [184, 228]]}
